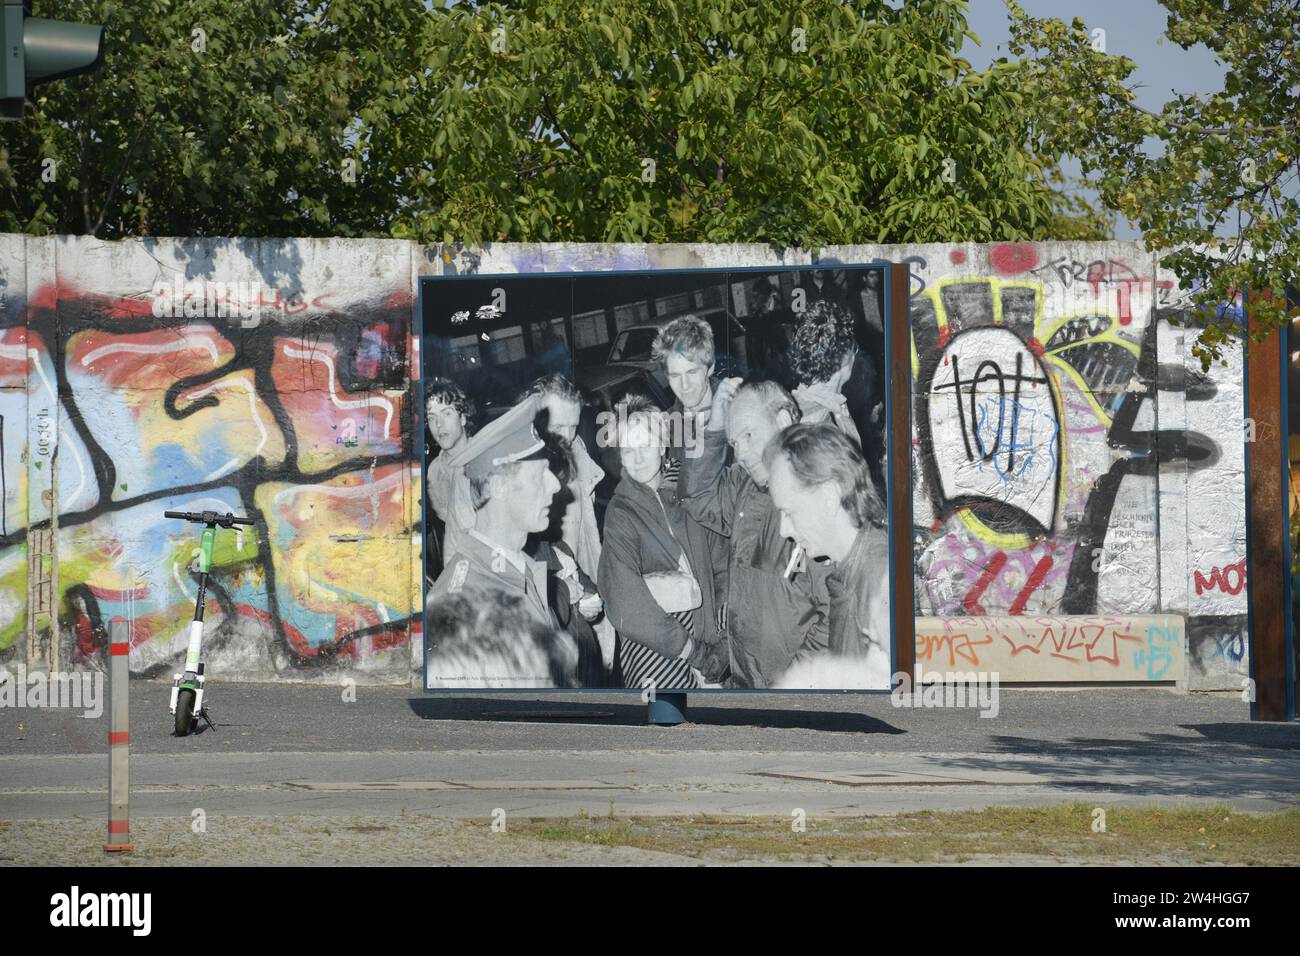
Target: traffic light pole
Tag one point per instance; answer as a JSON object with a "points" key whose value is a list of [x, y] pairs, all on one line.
{"points": [[33, 50]]}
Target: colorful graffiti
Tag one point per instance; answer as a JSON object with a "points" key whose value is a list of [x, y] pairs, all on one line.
{"points": [[301, 423], [1055, 649], [1075, 468], [1059, 422]]}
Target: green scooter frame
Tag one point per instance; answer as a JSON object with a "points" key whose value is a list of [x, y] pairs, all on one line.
{"points": [[187, 704]]}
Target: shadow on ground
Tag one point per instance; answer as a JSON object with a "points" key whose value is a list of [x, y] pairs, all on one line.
{"points": [[634, 714], [1147, 766]]}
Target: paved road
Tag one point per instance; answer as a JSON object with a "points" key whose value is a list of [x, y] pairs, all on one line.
{"points": [[257, 718], [304, 750]]}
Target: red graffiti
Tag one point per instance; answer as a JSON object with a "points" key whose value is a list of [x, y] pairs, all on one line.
{"points": [[1035, 579], [1013, 258], [1106, 272], [957, 257], [84, 630], [971, 601], [1222, 578], [1124, 302], [960, 644]]}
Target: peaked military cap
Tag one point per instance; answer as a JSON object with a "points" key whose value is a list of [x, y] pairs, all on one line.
{"points": [[509, 438]]}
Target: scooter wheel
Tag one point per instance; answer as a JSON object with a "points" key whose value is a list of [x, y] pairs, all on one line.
{"points": [[184, 712]]}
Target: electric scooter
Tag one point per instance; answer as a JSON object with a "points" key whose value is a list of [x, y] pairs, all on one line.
{"points": [[187, 704]]}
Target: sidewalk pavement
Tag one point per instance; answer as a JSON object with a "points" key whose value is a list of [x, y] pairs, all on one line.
{"points": [[307, 749]]}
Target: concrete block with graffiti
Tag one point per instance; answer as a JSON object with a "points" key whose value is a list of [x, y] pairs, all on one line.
{"points": [[1073, 463], [1069, 648], [265, 378], [1073, 459]]}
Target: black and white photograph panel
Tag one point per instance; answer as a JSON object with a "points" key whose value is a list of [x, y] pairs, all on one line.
{"points": [[804, 491], [654, 481]]}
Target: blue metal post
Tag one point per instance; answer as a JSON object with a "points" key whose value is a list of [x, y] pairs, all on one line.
{"points": [[667, 709]]}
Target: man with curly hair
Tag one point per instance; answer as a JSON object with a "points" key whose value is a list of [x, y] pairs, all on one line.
{"points": [[821, 356], [449, 424]]}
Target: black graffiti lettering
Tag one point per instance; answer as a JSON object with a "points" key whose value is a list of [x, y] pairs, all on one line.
{"points": [[1149, 450], [1002, 403], [961, 414], [969, 425], [1015, 418]]}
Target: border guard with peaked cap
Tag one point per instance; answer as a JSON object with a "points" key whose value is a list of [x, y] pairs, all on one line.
{"points": [[512, 487]]}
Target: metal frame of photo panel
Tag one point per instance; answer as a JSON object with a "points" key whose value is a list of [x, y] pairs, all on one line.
{"points": [[897, 441]]}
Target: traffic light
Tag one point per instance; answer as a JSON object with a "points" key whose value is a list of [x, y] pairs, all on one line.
{"points": [[36, 51]]}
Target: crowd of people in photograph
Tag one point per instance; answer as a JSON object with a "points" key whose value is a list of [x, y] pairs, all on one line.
{"points": [[744, 545]]}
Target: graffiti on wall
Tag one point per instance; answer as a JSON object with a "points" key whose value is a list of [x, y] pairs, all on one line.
{"points": [[1071, 460], [1064, 648], [300, 423], [1039, 440], [1230, 579]]}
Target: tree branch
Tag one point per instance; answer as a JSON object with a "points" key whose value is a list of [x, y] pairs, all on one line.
{"points": [[121, 170], [1223, 131], [549, 114], [85, 174]]}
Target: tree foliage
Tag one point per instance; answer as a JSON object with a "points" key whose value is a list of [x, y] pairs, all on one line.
{"points": [[216, 117], [1216, 195], [795, 122]]}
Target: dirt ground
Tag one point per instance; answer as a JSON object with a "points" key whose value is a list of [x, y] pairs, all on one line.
{"points": [[1063, 834]]}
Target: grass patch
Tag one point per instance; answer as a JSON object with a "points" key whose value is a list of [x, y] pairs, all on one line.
{"points": [[1061, 833]]}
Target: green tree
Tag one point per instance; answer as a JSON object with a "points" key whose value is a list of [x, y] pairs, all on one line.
{"points": [[796, 122], [217, 117], [1215, 192]]}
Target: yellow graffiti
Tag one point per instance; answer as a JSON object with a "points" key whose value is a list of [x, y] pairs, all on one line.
{"points": [[997, 539], [329, 572], [1044, 329], [1056, 356]]}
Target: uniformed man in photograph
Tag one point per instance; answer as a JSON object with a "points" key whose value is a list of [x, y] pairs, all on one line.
{"points": [[511, 487]]}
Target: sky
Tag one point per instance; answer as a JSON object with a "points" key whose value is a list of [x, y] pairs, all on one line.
{"points": [[1134, 28]]}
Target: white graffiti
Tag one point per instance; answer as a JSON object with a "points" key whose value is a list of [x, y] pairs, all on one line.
{"points": [[994, 427]]}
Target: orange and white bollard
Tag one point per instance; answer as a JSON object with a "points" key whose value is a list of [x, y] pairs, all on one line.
{"points": [[119, 748]]}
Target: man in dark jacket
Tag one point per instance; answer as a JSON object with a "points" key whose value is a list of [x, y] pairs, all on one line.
{"points": [[821, 485], [574, 605], [777, 601]]}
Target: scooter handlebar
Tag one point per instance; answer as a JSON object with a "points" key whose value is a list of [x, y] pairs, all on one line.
{"points": [[226, 520]]}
